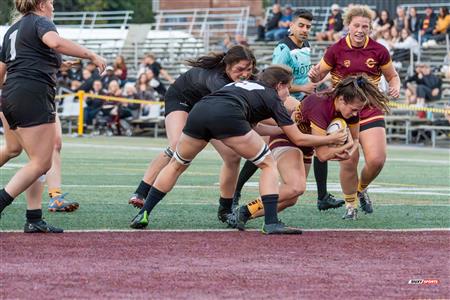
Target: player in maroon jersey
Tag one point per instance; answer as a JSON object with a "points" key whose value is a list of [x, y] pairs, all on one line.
{"points": [[313, 115], [358, 53]]}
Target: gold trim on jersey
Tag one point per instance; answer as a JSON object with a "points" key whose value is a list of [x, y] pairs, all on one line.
{"points": [[349, 42], [321, 130], [364, 121], [386, 64], [325, 64]]}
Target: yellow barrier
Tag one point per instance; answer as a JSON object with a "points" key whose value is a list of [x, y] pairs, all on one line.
{"points": [[418, 108], [82, 95]]}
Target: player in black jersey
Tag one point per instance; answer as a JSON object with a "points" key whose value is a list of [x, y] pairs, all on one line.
{"points": [[229, 115], [30, 56], [209, 73]]}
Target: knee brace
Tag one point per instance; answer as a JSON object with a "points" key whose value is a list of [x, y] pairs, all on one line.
{"points": [[261, 155], [168, 152], [181, 160]]}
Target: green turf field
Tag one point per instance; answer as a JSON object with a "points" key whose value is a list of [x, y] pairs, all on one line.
{"points": [[413, 191]]}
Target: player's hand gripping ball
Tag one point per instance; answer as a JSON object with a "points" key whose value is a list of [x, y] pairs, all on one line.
{"points": [[336, 125]]}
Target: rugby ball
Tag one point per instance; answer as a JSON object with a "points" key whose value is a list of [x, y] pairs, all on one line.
{"points": [[335, 125]]}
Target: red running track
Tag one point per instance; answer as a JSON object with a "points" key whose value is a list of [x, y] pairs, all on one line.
{"points": [[219, 265]]}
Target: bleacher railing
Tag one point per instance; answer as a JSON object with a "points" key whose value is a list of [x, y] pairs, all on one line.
{"points": [[201, 22], [93, 19]]}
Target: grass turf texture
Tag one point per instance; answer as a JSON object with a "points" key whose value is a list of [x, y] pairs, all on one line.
{"points": [[100, 173]]}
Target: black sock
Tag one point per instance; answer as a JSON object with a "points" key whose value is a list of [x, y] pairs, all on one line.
{"points": [[143, 189], [226, 202], [246, 173], [321, 174], [34, 215], [153, 197], [5, 199], [270, 203]]}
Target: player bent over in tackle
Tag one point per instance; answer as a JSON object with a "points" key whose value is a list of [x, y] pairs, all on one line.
{"points": [[313, 116], [227, 115]]}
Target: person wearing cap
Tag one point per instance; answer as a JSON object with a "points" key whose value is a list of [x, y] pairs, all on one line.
{"points": [[334, 24], [108, 76]]}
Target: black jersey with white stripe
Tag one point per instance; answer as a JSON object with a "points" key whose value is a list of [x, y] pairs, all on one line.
{"points": [[24, 52], [257, 100], [198, 82]]}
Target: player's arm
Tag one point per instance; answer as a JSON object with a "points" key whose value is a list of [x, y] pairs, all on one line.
{"points": [[2, 73], [319, 71], [308, 140], [392, 78], [267, 130], [327, 152], [307, 88], [354, 134], [67, 47]]}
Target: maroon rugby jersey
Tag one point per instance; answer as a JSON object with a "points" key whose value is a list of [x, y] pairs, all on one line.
{"points": [[342, 59], [315, 111]]}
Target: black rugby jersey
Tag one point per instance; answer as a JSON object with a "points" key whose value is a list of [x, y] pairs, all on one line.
{"points": [[258, 101], [24, 53], [198, 82]]}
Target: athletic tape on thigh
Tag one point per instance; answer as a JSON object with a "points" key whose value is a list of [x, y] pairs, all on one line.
{"points": [[168, 152], [261, 155], [181, 160]]}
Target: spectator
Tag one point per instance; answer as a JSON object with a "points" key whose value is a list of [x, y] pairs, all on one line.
{"points": [[334, 25], [385, 39], [120, 69], [229, 42], [400, 20], [427, 87], [283, 26], [403, 47], [75, 72], [272, 22], [413, 22], [441, 29], [156, 84], [93, 105], [86, 84], [384, 23], [427, 25], [151, 63], [62, 77], [109, 76], [143, 89], [131, 108], [94, 70]]}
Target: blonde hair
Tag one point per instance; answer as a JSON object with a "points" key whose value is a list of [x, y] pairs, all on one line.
{"points": [[358, 11], [26, 6]]}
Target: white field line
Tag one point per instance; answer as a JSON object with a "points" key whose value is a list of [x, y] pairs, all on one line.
{"points": [[234, 230]]}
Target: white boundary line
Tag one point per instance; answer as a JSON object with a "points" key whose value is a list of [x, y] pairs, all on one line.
{"points": [[234, 230]]}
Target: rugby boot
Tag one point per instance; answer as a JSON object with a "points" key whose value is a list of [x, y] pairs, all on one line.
{"points": [[329, 201], [364, 202], [41, 227], [280, 228]]}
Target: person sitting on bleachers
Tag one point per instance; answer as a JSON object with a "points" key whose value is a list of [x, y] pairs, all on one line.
{"points": [[384, 23], [402, 48], [441, 29], [93, 105], [334, 25], [400, 19], [272, 22], [120, 69], [428, 86], [283, 26], [149, 62], [427, 25], [109, 76], [143, 89], [156, 84], [413, 22]]}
